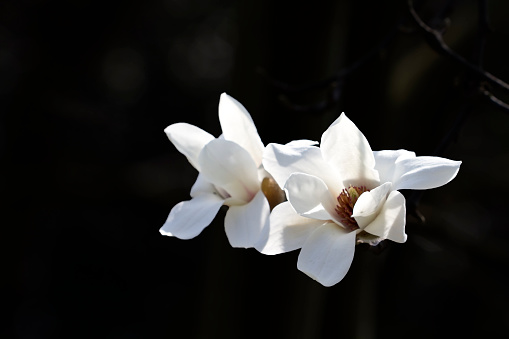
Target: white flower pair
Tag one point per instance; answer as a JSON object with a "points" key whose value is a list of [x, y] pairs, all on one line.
{"points": [[339, 194]]}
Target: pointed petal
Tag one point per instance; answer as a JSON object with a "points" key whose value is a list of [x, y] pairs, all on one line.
{"points": [[244, 224], [327, 254], [309, 196], [238, 126], [287, 232], [422, 173], [188, 218], [346, 149], [281, 161], [189, 140], [390, 222], [369, 204], [229, 167], [385, 162]]}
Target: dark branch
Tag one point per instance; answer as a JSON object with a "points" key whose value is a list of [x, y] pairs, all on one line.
{"points": [[438, 43], [493, 99]]}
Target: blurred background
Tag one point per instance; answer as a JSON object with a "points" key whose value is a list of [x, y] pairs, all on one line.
{"points": [[88, 176]]}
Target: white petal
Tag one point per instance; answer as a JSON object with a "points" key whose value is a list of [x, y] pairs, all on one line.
{"points": [[244, 224], [327, 254], [281, 161], [390, 222], [229, 167], [370, 203], [188, 218], [238, 126], [202, 186], [287, 232], [424, 172], [346, 149], [385, 163], [310, 196], [302, 143], [189, 140]]}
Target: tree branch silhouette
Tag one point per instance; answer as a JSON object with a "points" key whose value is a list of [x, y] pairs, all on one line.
{"points": [[434, 38], [477, 83], [436, 41]]}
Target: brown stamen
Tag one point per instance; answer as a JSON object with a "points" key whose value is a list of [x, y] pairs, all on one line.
{"points": [[346, 201]]}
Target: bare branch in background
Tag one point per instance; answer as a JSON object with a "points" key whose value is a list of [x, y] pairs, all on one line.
{"points": [[494, 100], [334, 84], [436, 41]]}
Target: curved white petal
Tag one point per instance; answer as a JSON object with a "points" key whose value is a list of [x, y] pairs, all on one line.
{"points": [[369, 204], [230, 168], [238, 126], [188, 218], [390, 222], [346, 149], [385, 162], [244, 224], [327, 254], [287, 232], [424, 172], [310, 196], [281, 161], [189, 140]]}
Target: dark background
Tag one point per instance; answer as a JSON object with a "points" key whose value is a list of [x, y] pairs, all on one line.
{"points": [[88, 176]]}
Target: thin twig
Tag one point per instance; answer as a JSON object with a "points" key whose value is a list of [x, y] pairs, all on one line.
{"points": [[472, 86], [438, 43], [493, 99]]}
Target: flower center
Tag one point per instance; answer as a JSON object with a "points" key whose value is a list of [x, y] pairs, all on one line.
{"points": [[346, 201], [274, 194]]}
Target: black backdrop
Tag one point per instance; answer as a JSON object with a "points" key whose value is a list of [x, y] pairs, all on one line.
{"points": [[88, 176]]}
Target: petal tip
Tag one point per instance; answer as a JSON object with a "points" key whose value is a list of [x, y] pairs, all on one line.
{"points": [[176, 127], [225, 97], [163, 232], [169, 128]]}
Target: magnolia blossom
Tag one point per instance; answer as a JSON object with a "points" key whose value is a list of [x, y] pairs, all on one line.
{"points": [[341, 194], [230, 173]]}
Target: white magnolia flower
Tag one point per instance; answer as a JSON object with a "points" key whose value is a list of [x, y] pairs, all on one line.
{"points": [[340, 194], [230, 173]]}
